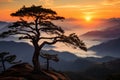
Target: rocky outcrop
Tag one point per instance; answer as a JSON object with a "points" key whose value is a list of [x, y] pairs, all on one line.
{"points": [[24, 71], [11, 78]]}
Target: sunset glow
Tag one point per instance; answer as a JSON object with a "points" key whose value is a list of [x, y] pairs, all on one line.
{"points": [[88, 18], [102, 9]]}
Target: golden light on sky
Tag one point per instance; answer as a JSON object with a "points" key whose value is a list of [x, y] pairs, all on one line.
{"points": [[88, 18], [70, 9]]}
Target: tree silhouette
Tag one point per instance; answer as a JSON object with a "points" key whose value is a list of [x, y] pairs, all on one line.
{"points": [[49, 57], [5, 57], [35, 22]]}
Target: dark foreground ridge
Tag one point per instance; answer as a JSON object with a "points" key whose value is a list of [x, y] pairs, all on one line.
{"points": [[24, 71]]}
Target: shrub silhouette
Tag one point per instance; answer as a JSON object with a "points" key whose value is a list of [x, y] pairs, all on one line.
{"points": [[6, 57], [49, 57], [33, 23]]}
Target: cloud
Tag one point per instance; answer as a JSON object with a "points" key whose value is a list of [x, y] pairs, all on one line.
{"points": [[6, 0], [111, 2], [68, 6], [47, 2], [111, 30], [69, 24]]}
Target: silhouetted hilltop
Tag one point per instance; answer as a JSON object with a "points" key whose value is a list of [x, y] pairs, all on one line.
{"points": [[24, 71], [110, 48]]}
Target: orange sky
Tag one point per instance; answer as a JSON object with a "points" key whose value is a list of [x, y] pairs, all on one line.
{"points": [[96, 9]]}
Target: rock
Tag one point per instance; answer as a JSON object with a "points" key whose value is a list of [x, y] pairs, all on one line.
{"points": [[11, 78], [22, 69], [25, 71]]}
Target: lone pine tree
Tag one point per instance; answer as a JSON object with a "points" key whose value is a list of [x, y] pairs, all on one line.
{"points": [[35, 21]]}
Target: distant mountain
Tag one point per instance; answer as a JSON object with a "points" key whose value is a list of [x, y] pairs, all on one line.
{"points": [[2, 23], [3, 26], [109, 48], [68, 61], [79, 64], [23, 50], [111, 30], [66, 56], [100, 60]]}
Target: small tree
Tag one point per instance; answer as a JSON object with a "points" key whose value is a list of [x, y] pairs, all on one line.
{"points": [[49, 57], [5, 57], [40, 23]]}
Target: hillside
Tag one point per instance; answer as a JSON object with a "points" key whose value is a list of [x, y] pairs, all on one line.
{"points": [[24, 71], [105, 71], [109, 48]]}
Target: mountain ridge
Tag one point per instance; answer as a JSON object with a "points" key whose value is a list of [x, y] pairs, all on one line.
{"points": [[68, 60], [111, 31], [109, 48]]}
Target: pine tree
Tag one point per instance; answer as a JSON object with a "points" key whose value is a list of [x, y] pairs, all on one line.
{"points": [[34, 23]]}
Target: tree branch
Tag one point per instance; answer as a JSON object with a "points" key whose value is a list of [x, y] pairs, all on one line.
{"points": [[29, 36], [49, 37], [28, 31], [50, 43]]}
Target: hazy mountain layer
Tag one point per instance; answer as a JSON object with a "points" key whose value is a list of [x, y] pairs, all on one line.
{"points": [[109, 48], [68, 61]]}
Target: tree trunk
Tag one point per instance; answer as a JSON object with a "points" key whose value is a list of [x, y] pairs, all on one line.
{"points": [[47, 64], [3, 64], [35, 60]]}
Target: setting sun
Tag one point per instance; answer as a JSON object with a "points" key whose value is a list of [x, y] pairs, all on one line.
{"points": [[88, 18]]}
